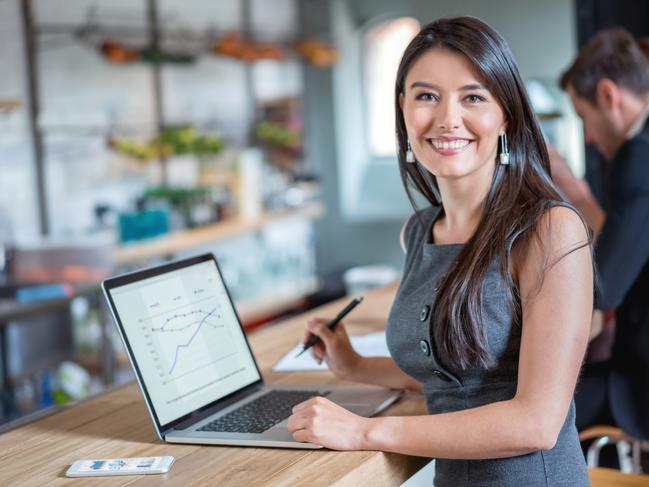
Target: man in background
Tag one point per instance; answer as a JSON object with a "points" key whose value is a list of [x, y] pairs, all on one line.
{"points": [[608, 85]]}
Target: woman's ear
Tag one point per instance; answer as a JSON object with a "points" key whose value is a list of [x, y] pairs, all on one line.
{"points": [[401, 101]]}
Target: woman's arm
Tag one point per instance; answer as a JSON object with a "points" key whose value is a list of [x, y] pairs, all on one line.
{"points": [[348, 365], [345, 363], [383, 371], [556, 322]]}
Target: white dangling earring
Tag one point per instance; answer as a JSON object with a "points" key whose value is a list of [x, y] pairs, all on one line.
{"points": [[503, 157], [410, 156]]}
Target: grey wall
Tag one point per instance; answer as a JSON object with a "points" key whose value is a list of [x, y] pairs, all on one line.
{"points": [[543, 39], [340, 242]]}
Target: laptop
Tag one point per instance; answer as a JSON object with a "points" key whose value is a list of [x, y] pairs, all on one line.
{"points": [[197, 372]]}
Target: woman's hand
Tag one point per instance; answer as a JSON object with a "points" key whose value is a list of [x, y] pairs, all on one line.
{"points": [[320, 421], [334, 347]]}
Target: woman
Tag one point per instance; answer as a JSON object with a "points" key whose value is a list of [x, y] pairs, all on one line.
{"points": [[492, 316]]}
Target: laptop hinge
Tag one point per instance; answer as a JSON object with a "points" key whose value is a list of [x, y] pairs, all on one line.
{"points": [[195, 418]]}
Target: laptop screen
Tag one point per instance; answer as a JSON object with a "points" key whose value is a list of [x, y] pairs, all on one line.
{"points": [[185, 337]]}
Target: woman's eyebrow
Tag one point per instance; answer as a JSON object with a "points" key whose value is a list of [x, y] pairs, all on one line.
{"points": [[473, 86], [423, 84]]}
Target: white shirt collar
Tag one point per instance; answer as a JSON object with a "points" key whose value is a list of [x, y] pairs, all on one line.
{"points": [[639, 124]]}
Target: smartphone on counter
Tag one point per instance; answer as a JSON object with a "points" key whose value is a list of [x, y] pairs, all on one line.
{"points": [[120, 466]]}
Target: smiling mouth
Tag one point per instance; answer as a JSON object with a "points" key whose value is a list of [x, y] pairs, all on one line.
{"points": [[446, 146]]}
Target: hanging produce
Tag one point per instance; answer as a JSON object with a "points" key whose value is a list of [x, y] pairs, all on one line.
{"points": [[235, 46], [171, 141]]}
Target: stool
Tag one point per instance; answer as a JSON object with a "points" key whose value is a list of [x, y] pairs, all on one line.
{"points": [[605, 435]]}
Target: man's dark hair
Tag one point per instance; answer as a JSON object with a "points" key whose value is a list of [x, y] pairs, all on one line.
{"points": [[612, 54]]}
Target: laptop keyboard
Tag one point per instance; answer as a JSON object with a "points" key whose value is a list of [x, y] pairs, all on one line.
{"points": [[261, 414]]}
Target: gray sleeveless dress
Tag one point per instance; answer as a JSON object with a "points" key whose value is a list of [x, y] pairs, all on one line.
{"points": [[411, 345]]}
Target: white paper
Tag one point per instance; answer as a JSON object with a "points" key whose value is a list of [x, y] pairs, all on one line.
{"points": [[370, 345]]}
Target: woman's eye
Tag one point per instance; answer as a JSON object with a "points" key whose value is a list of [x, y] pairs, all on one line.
{"points": [[474, 98], [426, 97]]}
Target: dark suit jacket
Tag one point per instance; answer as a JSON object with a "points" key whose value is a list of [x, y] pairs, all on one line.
{"points": [[622, 258]]}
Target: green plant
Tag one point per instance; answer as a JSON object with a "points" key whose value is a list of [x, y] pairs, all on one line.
{"points": [[171, 141], [277, 134]]}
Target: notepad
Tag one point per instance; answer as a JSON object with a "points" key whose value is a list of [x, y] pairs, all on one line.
{"points": [[370, 345]]}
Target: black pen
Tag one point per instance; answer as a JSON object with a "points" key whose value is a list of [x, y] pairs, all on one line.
{"points": [[332, 324]]}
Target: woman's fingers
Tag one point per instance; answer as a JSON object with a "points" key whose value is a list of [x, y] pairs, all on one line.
{"points": [[296, 422], [330, 340], [320, 329], [317, 354], [306, 337]]}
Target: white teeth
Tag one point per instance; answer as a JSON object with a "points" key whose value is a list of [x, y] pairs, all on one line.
{"points": [[445, 145]]}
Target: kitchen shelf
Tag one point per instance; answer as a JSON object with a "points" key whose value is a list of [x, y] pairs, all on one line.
{"points": [[8, 105], [183, 240], [281, 299]]}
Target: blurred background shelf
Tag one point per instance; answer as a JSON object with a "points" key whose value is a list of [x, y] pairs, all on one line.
{"points": [[188, 239], [12, 310], [286, 297], [9, 105]]}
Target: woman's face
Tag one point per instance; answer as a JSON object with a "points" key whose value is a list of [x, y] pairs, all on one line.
{"points": [[452, 121]]}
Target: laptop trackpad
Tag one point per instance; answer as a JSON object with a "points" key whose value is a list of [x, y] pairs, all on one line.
{"points": [[362, 402]]}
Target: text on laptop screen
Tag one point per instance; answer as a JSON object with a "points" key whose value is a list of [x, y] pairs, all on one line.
{"points": [[186, 339]]}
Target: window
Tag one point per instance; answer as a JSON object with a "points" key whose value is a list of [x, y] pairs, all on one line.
{"points": [[384, 45]]}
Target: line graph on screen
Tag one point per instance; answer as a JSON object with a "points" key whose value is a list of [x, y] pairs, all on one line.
{"points": [[187, 339]]}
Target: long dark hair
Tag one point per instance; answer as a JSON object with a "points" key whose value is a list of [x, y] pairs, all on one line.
{"points": [[520, 194]]}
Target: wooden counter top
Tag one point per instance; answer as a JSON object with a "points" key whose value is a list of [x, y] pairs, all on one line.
{"points": [[606, 477], [117, 424]]}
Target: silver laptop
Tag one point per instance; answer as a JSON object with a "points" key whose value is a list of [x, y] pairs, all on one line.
{"points": [[192, 360]]}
